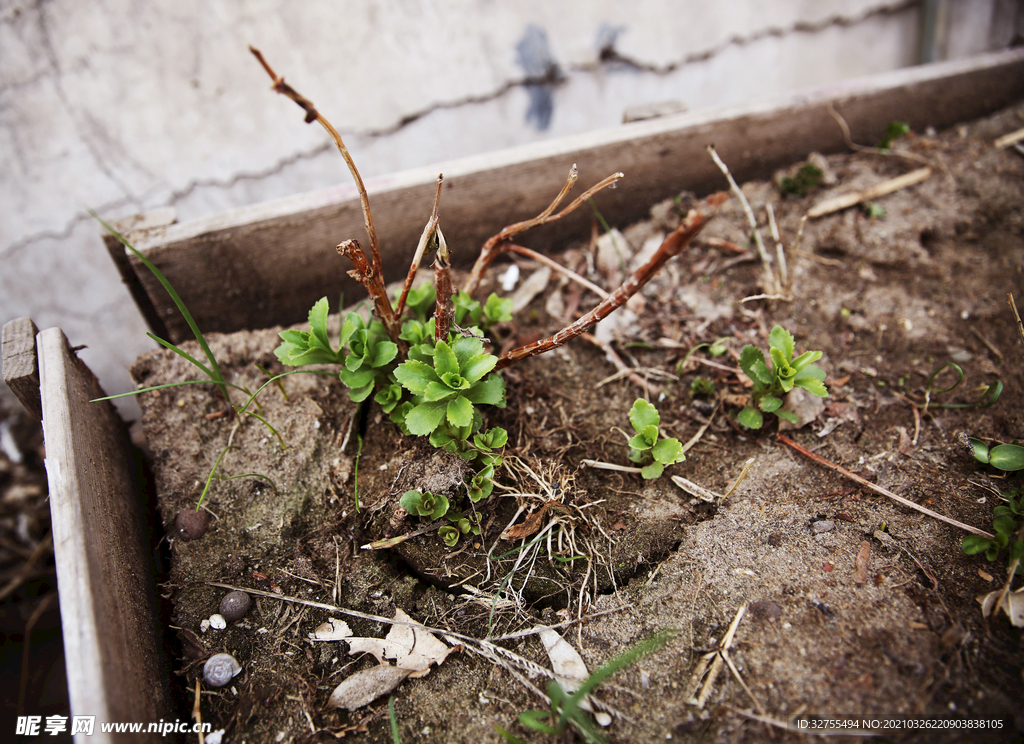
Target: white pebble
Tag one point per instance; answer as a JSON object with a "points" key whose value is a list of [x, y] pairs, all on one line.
{"points": [[509, 278], [217, 621]]}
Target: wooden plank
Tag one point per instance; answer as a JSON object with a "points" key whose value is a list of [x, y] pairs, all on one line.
{"points": [[21, 369], [267, 264], [115, 664]]}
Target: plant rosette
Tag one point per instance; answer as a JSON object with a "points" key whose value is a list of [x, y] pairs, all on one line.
{"points": [[771, 383], [646, 447]]}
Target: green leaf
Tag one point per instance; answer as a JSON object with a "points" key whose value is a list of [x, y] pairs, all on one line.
{"points": [[460, 411], [812, 386], [477, 366], [787, 416], [1005, 525], [425, 417], [383, 353], [465, 348], [750, 418], [782, 340], [360, 394], [1007, 457], [357, 379], [980, 450], [643, 415], [450, 535], [668, 451], [352, 324], [489, 391], [437, 391], [652, 471], [750, 356], [804, 359], [975, 544], [445, 361], [411, 501], [640, 443], [299, 338], [414, 376], [318, 324], [770, 403]]}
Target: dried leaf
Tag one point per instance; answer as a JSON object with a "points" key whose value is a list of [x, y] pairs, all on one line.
{"points": [[531, 524], [362, 688], [332, 630], [566, 663], [863, 563], [533, 286], [1013, 605], [412, 649]]}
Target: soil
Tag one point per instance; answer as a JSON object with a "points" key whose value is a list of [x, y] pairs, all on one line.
{"points": [[888, 299]]}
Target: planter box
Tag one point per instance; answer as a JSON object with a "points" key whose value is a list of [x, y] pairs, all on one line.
{"points": [[265, 265]]}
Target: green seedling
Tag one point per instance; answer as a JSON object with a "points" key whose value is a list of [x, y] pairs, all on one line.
{"points": [[566, 709], [1005, 457], [420, 504], [989, 394], [893, 132], [873, 210], [771, 383], [396, 737], [646, 447], [702, 387], [1007, 523], [807, 178]]}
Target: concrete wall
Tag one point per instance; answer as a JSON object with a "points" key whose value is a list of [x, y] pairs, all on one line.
{"points": [[127, 106]]}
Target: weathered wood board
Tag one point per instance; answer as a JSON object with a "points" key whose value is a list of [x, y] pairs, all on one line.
{"points": [[21, 367], [116, 665], [266, 264]]}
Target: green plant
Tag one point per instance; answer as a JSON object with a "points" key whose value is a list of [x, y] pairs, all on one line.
{"points": [[1007, 522], [646, 447], [1006, 457], [989, 393], [873, 210], [808, 177], [893, 132], [702, 387], [771, 383], [566, 709], [420, 504]]}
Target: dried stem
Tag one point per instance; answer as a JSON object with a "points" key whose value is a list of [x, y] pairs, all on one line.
{"points": [[374, 283], [374, 263], [1016, 315], [429, 231], [444, 308], [672, 246], [780, 252], [498, 243], [541, 258], [878, 489], [751, 220]]}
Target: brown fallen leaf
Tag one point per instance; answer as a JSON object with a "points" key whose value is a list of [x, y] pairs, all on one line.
{"points": [[531, 524], [412, 649], [863, 562]]}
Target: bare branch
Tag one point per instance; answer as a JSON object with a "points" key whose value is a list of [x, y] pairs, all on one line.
{"points": [[428, 233]]}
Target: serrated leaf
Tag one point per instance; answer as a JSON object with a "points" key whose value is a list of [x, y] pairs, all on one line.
{"points": [[311, 356], [425, 417], [770, 403], [639, 443], [465, 348], [489, 391], [642, 415], [652, 471], [460, 411], [318, 323], [812, 386], [477, 366], [782, 340], [750, 355], [445, 360], [750, 417], [299, 338], [804, 359], [414, 376], [668, 451], [286, 353], [437, 391], [780, 364]]}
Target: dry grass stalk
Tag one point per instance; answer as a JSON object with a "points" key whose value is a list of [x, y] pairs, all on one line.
{"points": [[1009, 139], [844, 201], [431, 232], [499, 243], [878, 489]]}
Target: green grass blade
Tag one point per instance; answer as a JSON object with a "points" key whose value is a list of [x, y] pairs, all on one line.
{"points": [[249, 475], [166, 284], [271, 429], [184, 354], [396, 737], [209, 478]]}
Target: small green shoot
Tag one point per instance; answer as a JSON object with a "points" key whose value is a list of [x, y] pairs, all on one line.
{"points": [[645, 447], [430, 505], [396, 737], [702, 387], [873, 210], [893, 132], [565, 709], [1007, 522], [771, 383], [1005, 457], [989, 394], [807, 178]]}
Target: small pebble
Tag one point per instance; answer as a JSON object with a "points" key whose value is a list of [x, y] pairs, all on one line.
{"points": [[191, 524], [234, 606], [217, 622], [823, 526]]}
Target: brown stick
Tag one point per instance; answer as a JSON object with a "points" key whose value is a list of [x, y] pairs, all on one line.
{"points": [[374, 283], [382, 303], [444, 308], [878, 489], [567, 272], [672, 246], [495, 245], [428, 233]]}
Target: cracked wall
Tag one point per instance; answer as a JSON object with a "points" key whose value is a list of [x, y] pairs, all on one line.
{"points": [[127, 106]]}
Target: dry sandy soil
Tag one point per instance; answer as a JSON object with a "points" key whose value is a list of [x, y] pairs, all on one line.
{"points": [[888, 299]]}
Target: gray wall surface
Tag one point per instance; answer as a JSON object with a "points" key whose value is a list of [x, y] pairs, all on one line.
{"points": [[126, 107]]}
